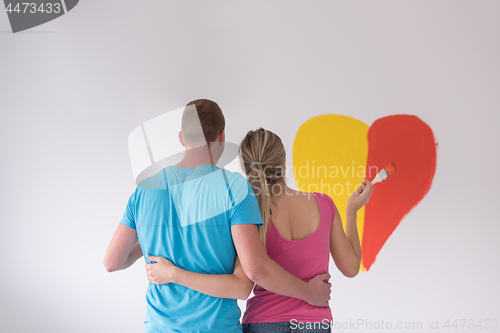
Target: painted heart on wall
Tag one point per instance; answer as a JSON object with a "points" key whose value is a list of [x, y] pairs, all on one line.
{"points": [[332, 153]]}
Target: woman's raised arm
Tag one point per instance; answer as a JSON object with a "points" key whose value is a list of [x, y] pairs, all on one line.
{"points": [[346, 247]]}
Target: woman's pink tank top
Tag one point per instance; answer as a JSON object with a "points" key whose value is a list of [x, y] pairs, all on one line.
{"points": [[304, 259]]}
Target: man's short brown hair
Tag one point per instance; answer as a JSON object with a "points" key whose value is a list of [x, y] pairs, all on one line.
{"points": [[209, 115]]}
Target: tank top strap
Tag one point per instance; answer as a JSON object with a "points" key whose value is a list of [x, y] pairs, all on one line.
{"points": [[326, 209]]}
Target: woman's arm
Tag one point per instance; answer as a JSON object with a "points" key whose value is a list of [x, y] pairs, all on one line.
{"points": [[346, 247], [236, 285]]}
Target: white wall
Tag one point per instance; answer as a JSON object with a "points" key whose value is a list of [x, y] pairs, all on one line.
{"points": [[73, 89]]}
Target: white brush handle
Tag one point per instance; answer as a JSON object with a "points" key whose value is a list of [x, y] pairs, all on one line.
{"points": [[376, 180]]}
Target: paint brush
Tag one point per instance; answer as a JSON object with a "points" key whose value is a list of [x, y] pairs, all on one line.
{"points": [[386, 172]]}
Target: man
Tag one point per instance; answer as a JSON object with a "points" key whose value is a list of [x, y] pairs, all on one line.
{"points": [[200, 217]]}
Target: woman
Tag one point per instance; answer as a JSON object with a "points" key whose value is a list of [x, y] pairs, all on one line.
{"points": [[300, 230]]}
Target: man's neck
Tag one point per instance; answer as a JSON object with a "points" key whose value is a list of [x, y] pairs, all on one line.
{"points": [[194, 157]]}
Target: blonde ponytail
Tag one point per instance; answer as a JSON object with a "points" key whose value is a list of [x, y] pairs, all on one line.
{"points": [[263, 157]]}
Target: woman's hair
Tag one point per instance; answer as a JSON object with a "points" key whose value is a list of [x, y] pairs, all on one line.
{"points": [[263, 157]]}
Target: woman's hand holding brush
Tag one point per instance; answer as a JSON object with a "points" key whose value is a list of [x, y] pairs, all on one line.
{"points": [[360, 197]]}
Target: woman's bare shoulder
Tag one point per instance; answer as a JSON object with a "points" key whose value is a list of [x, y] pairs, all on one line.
{"points": [[298, 197]]}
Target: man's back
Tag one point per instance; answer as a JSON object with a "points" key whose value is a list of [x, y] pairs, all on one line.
{"points": [[185, 215]]}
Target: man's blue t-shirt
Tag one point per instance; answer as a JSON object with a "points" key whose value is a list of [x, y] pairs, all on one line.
{"points": [[185, 215]]}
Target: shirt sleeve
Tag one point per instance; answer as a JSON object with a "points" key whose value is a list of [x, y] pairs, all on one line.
{"points": [[330, 205], [246, 211], [128, 218]]}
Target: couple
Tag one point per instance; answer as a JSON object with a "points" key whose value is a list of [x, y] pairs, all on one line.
{"points": [[208, 235]]}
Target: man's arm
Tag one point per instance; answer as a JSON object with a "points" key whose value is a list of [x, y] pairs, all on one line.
{"points": [[269, 275], [236, 285], [123, 250]]}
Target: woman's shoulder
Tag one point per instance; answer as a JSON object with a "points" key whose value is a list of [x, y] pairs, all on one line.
{"points": [[323, 196], [317, 201], [322, 199], [318, 196], [325, 202], [309, 196]]}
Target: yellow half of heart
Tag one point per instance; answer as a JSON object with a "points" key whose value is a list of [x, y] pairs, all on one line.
{"points": [[329, 156]]}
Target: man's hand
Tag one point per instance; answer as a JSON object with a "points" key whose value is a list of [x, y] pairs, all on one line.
{"points": [[161, 272], [320, 290]]}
